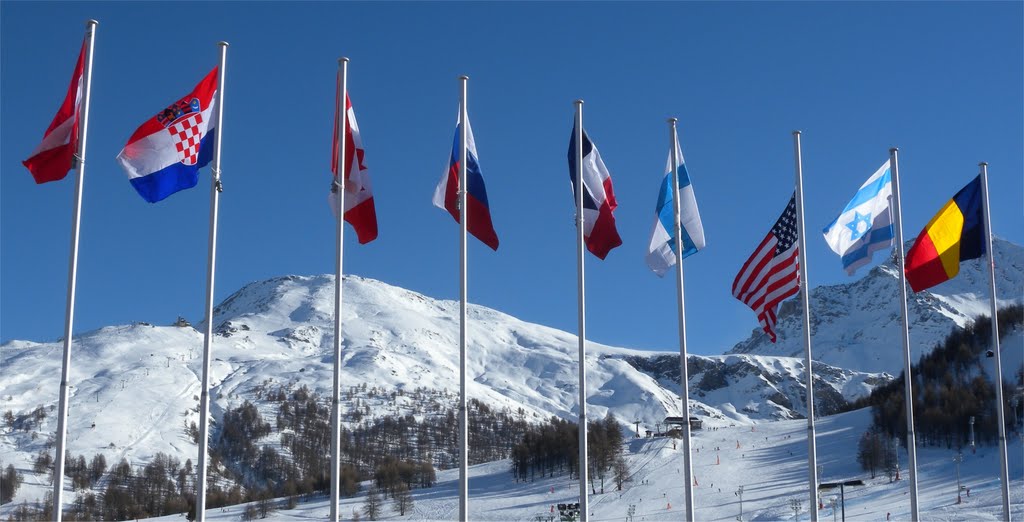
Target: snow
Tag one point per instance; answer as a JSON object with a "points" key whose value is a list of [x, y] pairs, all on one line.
{"points": [[857, 325], [135, 389], [770, 464]]}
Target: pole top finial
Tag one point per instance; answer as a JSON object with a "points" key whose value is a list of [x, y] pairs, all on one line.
{"points": [[893, 149], [797, 133], [982, 164], [673, 120], [578, 102], [463, 77], [343, 59], [92, 21], [222, 43]]}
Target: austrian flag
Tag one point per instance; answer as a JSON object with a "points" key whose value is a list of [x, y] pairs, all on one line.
{"points": [[54, 157], [165, 153]]}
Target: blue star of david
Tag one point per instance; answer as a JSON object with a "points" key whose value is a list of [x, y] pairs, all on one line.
{"points": [[859, 226]]}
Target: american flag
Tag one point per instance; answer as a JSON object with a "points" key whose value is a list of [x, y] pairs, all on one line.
{"points": [[772, 272]]}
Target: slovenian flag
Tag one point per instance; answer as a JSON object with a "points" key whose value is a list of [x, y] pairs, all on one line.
{"points": [[360, 211], [446, 195], [865, 225], [661, 252], [598, 199], [955, 234], [54, 157], [165, 153]]}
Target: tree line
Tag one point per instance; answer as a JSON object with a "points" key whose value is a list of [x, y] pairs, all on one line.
{"points": [[553, 447], [950, 386]]}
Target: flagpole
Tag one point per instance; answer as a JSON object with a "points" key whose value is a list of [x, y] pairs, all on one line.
{"points": [[215, 190], [1004, 475], [463, 410], [339, 181], [584, 508], [69, 316], [908, 389], [805, 303], [683, 373]]}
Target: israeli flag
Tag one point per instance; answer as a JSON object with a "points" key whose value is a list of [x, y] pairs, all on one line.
{"points": [[865, 225], [661, 253]]}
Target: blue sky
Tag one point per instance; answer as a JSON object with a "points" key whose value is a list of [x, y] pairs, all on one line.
{"points": [[941, 80]]}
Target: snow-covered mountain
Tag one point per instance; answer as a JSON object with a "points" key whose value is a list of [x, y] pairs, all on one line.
{"points": [[135, 388], [856, 326]]}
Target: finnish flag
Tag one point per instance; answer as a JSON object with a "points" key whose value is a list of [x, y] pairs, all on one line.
{"points": [[865, 225], [661, 250]]}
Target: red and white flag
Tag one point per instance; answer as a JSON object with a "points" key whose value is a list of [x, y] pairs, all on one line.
{"points": [[54, 157], [772, 272], [359, 209]]}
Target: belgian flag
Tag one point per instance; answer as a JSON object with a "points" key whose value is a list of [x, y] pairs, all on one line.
{"points": [[955, 234]]}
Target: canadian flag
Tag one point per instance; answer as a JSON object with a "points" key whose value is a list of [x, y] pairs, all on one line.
{"points": [[54, 157], [358, 197]]}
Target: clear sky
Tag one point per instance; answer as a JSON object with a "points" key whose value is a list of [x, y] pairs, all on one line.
{"points": [[942, 81]]}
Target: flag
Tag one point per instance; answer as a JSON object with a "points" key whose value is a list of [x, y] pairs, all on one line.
{"points": [[55, 156], [661, 251], [865, 225], [955, 234], [446, 195], [772, 272], [598, 199], [359, 209], [165, 153]]}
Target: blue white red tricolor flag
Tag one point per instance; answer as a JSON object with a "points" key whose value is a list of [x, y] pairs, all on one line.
{"points": [[661, 252], [446, 195], [54, 157], [359, 208], [165, 153], [772, 273], [599, 231]]}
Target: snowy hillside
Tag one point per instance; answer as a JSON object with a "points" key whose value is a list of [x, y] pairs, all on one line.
{"points": [[770, 463], [135, 388], [856, 326]]}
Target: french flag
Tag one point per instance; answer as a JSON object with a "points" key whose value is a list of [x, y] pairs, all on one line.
{"points": [[165, 153], [598, 199], [446, 195], [54, 157], [360, 211]]}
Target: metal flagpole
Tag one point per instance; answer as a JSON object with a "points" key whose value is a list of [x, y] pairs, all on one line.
{"points": [[339, 185], [69, 316], [215, 189], [1004, 475], [805, 303], [683, 374], [908, 389], [584, 507], [463, 410]]}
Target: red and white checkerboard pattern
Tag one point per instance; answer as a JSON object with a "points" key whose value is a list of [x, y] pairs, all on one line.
{"points": [[186, 135]]}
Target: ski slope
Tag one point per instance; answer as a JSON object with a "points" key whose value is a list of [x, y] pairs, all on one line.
{"points": [[770, 463]]}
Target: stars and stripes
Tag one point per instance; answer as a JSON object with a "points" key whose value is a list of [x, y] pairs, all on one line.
{"points": [[771, 274]]}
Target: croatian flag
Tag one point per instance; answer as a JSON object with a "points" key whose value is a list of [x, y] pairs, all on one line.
{"points": [[661, 253], [598, 199], [165, 153], [446, 195], [54, 157], [865, 225], [359, 209]]}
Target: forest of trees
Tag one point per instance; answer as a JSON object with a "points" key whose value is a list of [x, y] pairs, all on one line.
{"points": [[553, 447], [949, 387], [254, 458]]}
